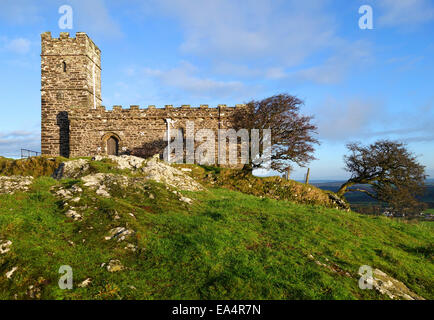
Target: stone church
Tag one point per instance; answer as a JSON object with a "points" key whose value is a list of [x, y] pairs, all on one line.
{"points": [[75, 124]]}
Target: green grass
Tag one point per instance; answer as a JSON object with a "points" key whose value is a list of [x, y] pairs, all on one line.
{"points": [[34, 166], [226, 245]]}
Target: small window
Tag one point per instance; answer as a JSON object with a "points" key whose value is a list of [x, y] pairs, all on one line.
{"points": [[64, 66]]}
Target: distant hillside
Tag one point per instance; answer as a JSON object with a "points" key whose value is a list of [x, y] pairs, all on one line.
{"points": [[360, 198], [141, 229]]}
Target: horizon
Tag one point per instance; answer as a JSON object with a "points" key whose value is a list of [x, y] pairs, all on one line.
{"points": [[360, 85]]}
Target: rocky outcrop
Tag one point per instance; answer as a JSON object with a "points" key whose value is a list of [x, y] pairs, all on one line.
{"points": [[12, 184], [124, 162], [73, 215], [338, 202], [152, 169], [102, 182], [160, 171], [75, 168], [391, 287]]}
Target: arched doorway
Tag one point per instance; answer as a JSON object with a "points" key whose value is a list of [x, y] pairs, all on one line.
{"points": [[112, 146]]}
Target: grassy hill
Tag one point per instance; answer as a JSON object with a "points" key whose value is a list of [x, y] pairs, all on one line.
{"points": [[217, 243]]}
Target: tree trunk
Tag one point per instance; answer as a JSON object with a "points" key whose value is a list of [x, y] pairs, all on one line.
{"points": [[343, 189]]}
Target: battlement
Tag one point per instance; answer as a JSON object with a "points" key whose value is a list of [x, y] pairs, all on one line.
{"points": [[118, 108], [168, 111], [64, 46], [75, 123]]}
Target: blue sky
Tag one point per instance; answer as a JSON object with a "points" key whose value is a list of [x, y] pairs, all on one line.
{"points": [[361, 85]]}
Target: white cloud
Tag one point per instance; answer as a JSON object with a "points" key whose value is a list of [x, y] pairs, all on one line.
{"points": [[94, 17], [405, 13], [12, 142], [184, 77], [340, 120], [334, 70], [18, 45], [253, 29], [91, 16], [266, 39], [20, 12]]}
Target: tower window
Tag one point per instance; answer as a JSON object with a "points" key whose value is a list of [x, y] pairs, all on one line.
{"points": [[64, 66]]}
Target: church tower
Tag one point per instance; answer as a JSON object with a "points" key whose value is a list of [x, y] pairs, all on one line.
{"points": [[70, 78]]}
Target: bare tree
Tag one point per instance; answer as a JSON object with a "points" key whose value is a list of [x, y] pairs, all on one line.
{"points": [[292, 134], [393, 173]]}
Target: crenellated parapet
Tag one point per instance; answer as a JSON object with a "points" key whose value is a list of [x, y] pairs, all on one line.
{"points": [[70, 76], [151, 111], [65, 45], [74, 122]]}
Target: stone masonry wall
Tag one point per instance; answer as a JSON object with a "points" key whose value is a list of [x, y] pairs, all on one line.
{"points": [[71, 125], [139, 131], [68, 66]]}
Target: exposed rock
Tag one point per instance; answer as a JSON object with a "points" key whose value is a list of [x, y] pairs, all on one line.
{"points": [[340, 203], [393, 288], [114, 266], [331, 266], [34, 292], [186, 200], [85, 283], [131, 247], [5, 246], [103, 192], [156, 170], [76, 189], [10, 273], [124, 162], [75, 168], [73, 215], [162, 172], [119, 233], [11, 184], [101, 181], [66, 194]]}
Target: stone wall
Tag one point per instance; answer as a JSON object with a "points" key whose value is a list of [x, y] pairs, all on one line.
{"points": [[68, 67], [140, 132], [73, 127]]}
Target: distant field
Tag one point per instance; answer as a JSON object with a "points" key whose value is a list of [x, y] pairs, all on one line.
{"points": [[358, 198]]}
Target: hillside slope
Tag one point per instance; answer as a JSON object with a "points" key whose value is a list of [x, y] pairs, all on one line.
{"points": [[127, 236]]}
